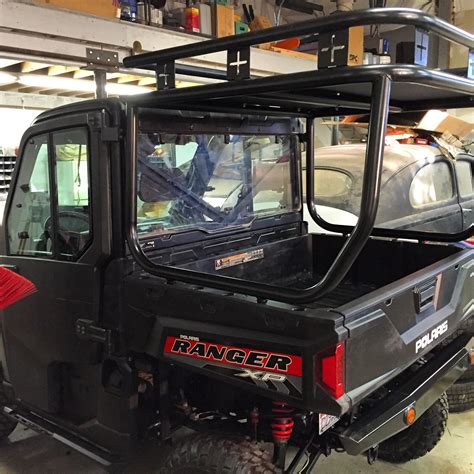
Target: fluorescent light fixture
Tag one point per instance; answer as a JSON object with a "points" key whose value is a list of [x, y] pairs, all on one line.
{"points": [[53, 82], [6, 78], [79, 85], [125, 89]]}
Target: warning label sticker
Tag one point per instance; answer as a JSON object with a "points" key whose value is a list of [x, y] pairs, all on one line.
{"points": [[238, 259]]}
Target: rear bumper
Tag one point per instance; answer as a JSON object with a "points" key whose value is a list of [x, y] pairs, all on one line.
{"points": [[386, 419]]}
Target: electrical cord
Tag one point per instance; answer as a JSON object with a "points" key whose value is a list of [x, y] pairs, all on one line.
{"points": [[278, 13]]}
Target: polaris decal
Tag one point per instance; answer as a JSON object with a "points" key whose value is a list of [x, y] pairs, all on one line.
{"points": [[238, 356], [430, 337]]}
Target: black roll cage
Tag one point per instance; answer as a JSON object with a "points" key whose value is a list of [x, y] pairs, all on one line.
{"points": [[273, 95]]}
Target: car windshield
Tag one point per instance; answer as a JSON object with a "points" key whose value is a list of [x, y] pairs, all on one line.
{"points": [[212, 181]]}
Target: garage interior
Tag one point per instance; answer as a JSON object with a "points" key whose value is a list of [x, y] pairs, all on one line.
{"points": [[59, 52]]}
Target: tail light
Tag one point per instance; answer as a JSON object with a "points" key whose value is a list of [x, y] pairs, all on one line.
{"points": [[329, 366]]}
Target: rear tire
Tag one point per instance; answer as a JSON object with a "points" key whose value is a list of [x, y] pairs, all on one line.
{"points": [[461, 396], [211, 454], [466, 328], [7, 425], [420, 438]]}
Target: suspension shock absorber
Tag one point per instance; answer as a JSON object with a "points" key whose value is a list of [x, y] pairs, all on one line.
{"points": [[282, 428]]}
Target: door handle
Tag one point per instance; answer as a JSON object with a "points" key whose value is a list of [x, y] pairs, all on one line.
{"points": [[465, 209]]}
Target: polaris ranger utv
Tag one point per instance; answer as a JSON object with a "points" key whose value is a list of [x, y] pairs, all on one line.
{"points": [[178, 285]]}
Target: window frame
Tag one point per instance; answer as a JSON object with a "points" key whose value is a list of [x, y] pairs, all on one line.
{"points": [[72, 258], [151, 120], [20, 165], [48, 132], [470, 163]]}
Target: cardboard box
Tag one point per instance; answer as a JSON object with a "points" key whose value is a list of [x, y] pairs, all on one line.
{"points": [[356, 46], [440, 122], [205, 19], [105, 8], [260, 23], [224, 21]]}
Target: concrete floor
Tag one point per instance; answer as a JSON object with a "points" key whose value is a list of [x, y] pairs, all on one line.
{"points": [[27, 452]]}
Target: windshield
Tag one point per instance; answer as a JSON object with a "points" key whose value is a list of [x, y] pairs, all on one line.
{"points": [[210, 182]]}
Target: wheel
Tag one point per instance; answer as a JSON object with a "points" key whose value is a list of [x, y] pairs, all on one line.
{"points": [[467, 327], [211, 454], [461, 396], [7, 425], [420, 438]]}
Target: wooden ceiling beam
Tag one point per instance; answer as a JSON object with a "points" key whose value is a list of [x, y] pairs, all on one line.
{"points": [[127, 78], [82, 73], [10, 87], [4, 63], [60, 70], [29, 66], [147, 81], [29, 90]]}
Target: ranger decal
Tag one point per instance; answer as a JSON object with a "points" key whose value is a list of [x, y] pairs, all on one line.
{"points": [[238, 356]]}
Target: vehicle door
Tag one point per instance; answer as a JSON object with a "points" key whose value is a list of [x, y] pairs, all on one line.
{"points": [[56, 236], [465, 182]]}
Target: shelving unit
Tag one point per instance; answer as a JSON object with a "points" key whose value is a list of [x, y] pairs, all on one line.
{"points": [[51, 28], [7, 165]]}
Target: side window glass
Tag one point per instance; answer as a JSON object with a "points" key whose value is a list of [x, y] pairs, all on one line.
{"points": [[31, 205], [465, 178], [71, 154], [433, 183]]}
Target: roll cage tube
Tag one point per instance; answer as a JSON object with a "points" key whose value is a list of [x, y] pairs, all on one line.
{"points": [[370, 197]]}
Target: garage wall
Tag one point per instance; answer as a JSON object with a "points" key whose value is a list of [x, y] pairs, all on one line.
{"points": [[13, 123]]}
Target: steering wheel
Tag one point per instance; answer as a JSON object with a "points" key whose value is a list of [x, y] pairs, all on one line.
{"points": [[71, 224]]}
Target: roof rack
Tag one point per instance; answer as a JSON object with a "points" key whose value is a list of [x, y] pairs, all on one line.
{"points": [[238, 46], [372, 89]]}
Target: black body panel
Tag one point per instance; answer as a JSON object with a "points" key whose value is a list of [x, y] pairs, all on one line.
{"points": [[380, 310], [423, 389]]}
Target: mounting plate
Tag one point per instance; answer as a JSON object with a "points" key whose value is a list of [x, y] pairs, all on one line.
{"points": [[102, 57]]}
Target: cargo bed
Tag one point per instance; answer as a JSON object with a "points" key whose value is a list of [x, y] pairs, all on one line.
{"points": [[301, 261]]}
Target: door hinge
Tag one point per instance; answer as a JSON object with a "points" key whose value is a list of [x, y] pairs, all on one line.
{"points": [[98, 122], [87, 331]]}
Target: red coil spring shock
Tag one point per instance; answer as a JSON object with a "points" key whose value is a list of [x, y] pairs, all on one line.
{"points": [[282, 428]]}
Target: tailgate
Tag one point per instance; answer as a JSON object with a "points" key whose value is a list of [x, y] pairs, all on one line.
{"points": [[392, 327]]}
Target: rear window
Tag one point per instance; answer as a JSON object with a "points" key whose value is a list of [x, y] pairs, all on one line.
{"points": [[331, 183], [210, 182], [433, 183], [465, 178]]}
